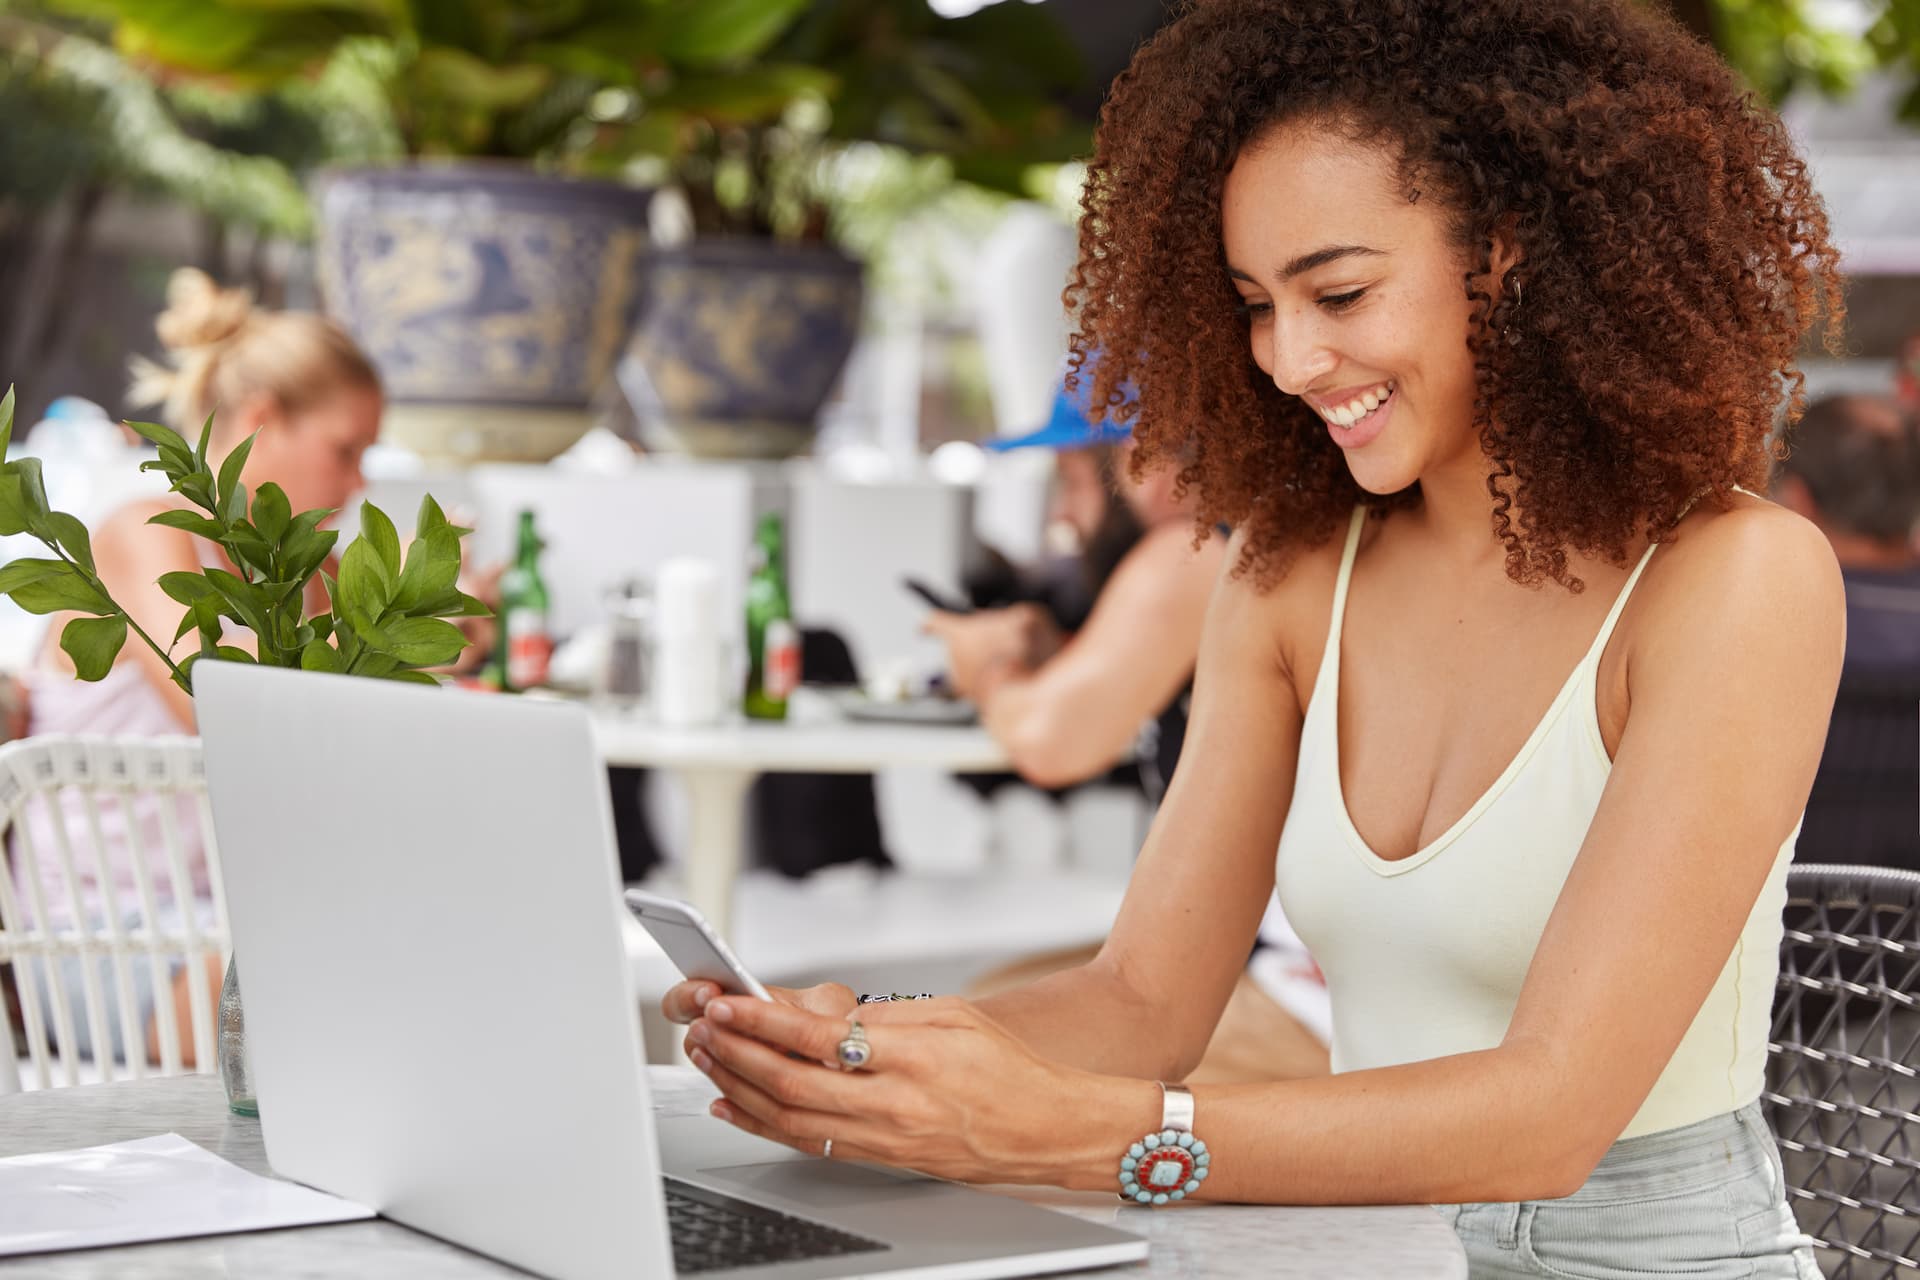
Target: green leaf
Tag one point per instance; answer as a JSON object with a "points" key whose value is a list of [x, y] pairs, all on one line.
{"points": [[272, 513], [230, 469], [414, 677], [454, 604], [187, 588], [33, 494], [363, 626], [206, 437], [234, 505], [72, 537], [6, 422], [321, 656], [249, 548], [709, 32], [188, 521], [60, 591], [13, 505], [433, 568], [228, 653], [377, 666], [165, 437], [431, 517], [423, 642], [93, 644], [365, 580], [239, 597], [197, 486], [377, 529], [19, 573]]}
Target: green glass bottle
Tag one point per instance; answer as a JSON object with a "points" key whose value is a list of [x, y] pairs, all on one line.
{"points": [[525, 643], [773, 645]]}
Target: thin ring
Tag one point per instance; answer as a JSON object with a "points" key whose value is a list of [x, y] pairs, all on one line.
{"points": [[826, 1152], [855, 1051]]}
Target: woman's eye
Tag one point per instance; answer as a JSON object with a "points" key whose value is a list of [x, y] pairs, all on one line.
{"points": [[1341, 301], [1247, 308]]}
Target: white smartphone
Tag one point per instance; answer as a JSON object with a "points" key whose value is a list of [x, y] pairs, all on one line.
{"points": [[692, 944]]}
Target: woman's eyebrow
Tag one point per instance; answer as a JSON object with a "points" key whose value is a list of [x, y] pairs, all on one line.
{"points": [[1308, 261], [1321, 257]]}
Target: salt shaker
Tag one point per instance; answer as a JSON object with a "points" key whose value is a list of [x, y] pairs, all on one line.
{"points": [[622, 678]]}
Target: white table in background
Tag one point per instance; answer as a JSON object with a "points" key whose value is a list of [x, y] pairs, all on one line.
{"points": [[718, 764], [1220, 1242]]}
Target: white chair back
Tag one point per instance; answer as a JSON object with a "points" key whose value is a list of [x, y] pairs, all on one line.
{"points": [[45, 918]]}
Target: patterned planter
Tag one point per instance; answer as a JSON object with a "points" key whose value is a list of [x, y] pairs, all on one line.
{"points": [[739, 343], [493, 299]]}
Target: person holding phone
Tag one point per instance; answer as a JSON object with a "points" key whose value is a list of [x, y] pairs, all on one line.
{"points": [[1475, 321], [1067, 709]]}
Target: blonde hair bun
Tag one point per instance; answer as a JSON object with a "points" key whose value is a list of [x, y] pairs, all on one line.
{"points": [[200, 313]]}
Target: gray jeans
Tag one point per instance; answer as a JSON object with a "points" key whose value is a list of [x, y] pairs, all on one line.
{"points": [[1707, 1201]]}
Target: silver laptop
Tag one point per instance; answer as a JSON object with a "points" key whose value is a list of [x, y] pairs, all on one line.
{"points": [[425, 905]]}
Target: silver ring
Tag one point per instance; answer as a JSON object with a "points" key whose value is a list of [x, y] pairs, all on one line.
{"points": [[826, 1152], [855, 1051]]}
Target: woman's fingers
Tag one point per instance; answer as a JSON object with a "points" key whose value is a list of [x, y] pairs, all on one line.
{"points": [[813, 1035], [685, 1001], [762, 1111], [791, 1081]]}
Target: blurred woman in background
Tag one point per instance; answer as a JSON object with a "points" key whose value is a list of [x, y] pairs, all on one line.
{"points": [[314, 399]]}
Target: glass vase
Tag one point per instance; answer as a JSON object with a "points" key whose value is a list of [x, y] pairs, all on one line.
{"points": [[234, 1071]]}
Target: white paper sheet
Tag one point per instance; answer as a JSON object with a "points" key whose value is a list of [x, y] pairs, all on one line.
{"points": [[163, 1188]]}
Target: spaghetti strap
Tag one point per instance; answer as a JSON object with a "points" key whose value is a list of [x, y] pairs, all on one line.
{"points": [[1599, 645], [1330, 656]]}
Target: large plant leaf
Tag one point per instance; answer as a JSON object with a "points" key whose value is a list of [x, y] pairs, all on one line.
{"points": [[6, 422], [747, 96], [93, 644], [423, 642], [377, 529], [706, 33]]}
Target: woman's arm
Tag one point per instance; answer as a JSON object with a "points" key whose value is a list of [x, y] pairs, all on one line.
{"points": [[1079, 713], [1731, 672], [1147, 1004], [1731, 664]]}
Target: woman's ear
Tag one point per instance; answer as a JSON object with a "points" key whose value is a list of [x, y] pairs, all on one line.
{"points": [[1503, 248], [257, 412]]}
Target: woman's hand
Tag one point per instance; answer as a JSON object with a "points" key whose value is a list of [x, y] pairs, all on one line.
{"points": [[948, 1091], [684, 1001]]}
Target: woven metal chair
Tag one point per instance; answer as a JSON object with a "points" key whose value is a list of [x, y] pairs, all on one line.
{"points": [[1843, 1069], [86, 786]]}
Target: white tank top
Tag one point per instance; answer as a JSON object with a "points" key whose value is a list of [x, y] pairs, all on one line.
{"points": [[1424, 956]]}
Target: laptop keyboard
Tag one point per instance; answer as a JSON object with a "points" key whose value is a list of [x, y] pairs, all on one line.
{"points": [[712, 1232]]}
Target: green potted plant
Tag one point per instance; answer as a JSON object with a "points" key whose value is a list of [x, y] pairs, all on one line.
{"points": [[386, 617], [491, 280], [496, 292]]}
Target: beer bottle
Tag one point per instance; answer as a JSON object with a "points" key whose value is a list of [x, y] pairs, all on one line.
{"points": [[773, 645], [525, 643]]}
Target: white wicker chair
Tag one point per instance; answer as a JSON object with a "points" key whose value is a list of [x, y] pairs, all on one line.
{"points": [[38, 928]]}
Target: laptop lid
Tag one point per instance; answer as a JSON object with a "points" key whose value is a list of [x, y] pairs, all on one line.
{"points": [[501, 826]]}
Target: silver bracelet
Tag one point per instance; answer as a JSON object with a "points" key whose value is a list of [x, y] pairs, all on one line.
{"points": [[891, 996], [1169, 1164]]}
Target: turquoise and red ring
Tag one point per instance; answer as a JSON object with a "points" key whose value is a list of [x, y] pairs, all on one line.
{"points": [[1162, 1167]]}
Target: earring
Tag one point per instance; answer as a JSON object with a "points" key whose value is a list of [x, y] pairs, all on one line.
{"points": [[1506, 330]]}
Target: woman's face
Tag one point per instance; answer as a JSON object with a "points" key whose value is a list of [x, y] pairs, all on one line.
{"points": [[315, 454], [1355, 301]]}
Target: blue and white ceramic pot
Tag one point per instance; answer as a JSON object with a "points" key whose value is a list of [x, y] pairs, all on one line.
{"points": [[493, 299], [739, 343]]}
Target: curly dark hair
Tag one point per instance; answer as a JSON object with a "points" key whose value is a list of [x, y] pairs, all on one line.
{"points": [[1674, 256]]}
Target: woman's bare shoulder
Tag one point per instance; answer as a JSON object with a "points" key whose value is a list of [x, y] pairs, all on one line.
{"points": [[126, 534], [1751, 564]]}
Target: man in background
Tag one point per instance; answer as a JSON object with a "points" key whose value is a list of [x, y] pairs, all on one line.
{"points": [[1854, 470]]}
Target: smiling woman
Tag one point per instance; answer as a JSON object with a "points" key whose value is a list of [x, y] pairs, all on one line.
{"points": [[1507, 293]]}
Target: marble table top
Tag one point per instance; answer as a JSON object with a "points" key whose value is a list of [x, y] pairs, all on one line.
{"points": [[1222, 1242]]}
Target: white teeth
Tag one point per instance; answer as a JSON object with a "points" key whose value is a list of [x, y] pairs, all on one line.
{"points": [[1347, 414]]}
